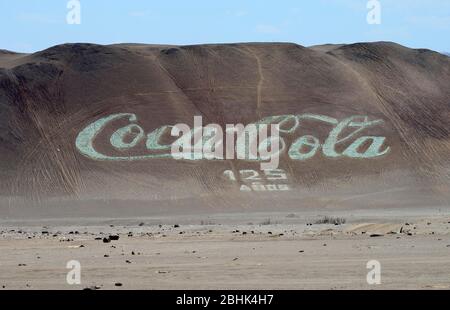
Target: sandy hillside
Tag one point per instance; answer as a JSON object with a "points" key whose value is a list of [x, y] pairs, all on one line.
{"points": [[396, 96]]}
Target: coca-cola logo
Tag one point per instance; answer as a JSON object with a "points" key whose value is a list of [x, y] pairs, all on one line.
{"points": [[348, 132]]}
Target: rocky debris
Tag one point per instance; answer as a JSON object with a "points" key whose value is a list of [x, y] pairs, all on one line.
{"points": [[114, 237], [92, 288], [376, 235], [110, 238]]}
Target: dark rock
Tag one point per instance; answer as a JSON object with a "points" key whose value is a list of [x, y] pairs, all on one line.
{"points": [[376, 235]]}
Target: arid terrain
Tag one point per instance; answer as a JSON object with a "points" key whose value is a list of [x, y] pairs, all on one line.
{"points": [[85, 154], [274, 251]]}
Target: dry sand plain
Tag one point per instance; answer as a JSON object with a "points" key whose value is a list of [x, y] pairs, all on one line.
{"points": [[261, 251], [58, 200]]}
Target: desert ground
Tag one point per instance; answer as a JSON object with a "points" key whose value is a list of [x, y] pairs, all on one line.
{"points": [[85, 158], [231, 251]]}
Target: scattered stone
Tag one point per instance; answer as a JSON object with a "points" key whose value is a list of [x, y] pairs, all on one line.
{"points": [[176, 226], [132, 253], [128, 262], [92, 288], [162, 271], [106, 255], [117, 284], [21, 265], [98, 238], [141, 224], [235, 259], [114, 237], [376, 235], [301, 251], [106, 240]]}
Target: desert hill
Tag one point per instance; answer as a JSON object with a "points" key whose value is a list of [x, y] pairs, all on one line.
{"points": [[49, 97]]}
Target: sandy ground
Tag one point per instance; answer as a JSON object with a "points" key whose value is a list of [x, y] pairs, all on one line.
{"points": [[275, 251]]}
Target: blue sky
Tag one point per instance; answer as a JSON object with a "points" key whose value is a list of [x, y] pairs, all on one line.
{"points": [[32, 25]]}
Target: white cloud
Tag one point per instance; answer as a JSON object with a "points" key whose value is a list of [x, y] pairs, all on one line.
{"points": [[238, 13], [31, 17], [138, 13], [441, 22], [267, 29]]}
